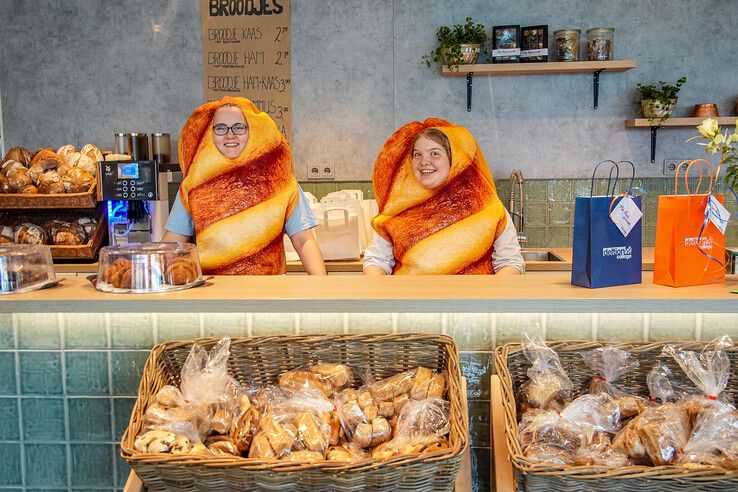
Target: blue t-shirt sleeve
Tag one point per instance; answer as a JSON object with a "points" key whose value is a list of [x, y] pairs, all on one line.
{"points": [[302, 217], [180, 221]]}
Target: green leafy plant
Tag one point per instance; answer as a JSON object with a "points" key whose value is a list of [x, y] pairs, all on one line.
{"points": [[450, 40], [725, 143], [659, 99]]}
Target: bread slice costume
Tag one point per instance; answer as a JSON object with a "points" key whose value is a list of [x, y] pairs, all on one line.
{"points": [[239, 206], [449, 230]]}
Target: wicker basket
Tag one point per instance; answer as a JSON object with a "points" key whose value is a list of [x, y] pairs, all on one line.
{"points": [[511, 367], [258, 362]]}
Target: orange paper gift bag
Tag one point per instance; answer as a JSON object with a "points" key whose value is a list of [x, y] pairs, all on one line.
{"points": [[690, 249]]}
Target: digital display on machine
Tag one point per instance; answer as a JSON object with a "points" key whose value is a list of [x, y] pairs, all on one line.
{"points": [[128, 170]]}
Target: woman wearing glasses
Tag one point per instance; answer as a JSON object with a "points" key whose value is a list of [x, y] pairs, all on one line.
{"points": [[239, 194]]}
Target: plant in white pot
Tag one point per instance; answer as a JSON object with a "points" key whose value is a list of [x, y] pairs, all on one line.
{"points": [[658, 103], [458, 45]]}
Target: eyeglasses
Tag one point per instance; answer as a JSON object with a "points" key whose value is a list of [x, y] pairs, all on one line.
{"points": [[222, 129]]}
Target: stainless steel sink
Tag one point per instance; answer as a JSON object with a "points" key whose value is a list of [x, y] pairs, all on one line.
{"points": [[540, 256]]}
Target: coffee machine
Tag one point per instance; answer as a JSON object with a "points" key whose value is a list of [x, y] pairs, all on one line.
{"points": [[136, 198]]}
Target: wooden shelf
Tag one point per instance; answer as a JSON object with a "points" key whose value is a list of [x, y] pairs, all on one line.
{"points": [[644, 123], [541, 68], [674, 122]]}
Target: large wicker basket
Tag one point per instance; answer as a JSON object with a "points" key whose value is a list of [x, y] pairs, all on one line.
{"points": [[258, 362], [511, 367]]}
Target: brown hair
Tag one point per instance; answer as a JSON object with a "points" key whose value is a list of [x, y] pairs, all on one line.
{"points": [[437, 136]]}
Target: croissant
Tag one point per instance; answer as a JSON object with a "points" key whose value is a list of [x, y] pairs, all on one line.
{"points": [[180, 271], [238, 205], [447, 230]]}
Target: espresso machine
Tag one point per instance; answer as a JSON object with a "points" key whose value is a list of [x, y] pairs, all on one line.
{"points": [[137, 201]]}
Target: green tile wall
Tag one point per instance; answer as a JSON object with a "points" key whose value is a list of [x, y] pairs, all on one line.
{"points": [[549, 204], [61, 431]]}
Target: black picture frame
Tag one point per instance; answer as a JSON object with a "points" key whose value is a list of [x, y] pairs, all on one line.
{"points": [[506, 38], [533, 38]]}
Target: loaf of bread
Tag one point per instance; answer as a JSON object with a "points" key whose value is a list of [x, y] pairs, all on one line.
{"points": [[18, 179], [28, 233], [20, 155], [66, 149], [46, 159], [4, 185], [69, 234], [93, 153], [77, 180], [10, 166], [82, 161], [50, 183]]}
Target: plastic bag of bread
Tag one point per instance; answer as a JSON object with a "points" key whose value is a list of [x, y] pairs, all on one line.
{"points": [[547, 438], [347, 452], [600, 413], [328, 378], [708, 370], [659, 384], [163, 441], [548, 387], [209, 400], [608, 364], [292, 422], [421, 423], [714, 440], [715, 429]]}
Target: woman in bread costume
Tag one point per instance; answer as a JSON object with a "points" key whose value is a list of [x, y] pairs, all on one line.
{"points": [[439, 212], [239, 194]]}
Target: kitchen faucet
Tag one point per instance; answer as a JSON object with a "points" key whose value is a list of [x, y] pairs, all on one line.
{"points": [[516, 181]]}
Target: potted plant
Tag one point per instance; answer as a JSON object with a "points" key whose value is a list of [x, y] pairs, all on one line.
{"points": [[659, 103], [457, 45]]}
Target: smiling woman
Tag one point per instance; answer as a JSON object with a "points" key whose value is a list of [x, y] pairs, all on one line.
{"points": [[230, 130], [439, 212]]}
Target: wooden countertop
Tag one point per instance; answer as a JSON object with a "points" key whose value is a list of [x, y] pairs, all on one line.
{"points": [[355, 266], [532, 292]]}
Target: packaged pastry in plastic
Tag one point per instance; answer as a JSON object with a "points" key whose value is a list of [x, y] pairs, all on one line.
{"points": [[549, 387], [25, 267], [148, 267], [608, 364], [325, 377], [209, 401], [546, 437], [421, 423], [715, 420]]}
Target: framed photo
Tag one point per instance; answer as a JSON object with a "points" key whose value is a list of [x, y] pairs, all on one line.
{"points": [[506, 44], [534, 44]]}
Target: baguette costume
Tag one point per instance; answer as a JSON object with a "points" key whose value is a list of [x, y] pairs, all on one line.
{"points": [[449, 230], [239, 206]]}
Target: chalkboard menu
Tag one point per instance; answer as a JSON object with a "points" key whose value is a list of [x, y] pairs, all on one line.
{"points": [[246, 52]]}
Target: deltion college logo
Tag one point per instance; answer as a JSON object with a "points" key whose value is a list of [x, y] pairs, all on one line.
{"points": [[619, 252]]}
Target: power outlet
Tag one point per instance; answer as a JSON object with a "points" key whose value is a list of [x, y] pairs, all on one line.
{"points": [[670, 166], [318, 172]]}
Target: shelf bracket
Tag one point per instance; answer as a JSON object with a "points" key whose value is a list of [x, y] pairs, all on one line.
{"points": [[469, 90], [654, 130], [596, 85]]}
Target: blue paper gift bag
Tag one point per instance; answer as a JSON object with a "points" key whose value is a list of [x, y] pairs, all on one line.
{"points": [[602, 255]]}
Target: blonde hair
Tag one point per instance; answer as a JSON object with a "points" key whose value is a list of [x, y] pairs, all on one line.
{"points": [[437, 136]]}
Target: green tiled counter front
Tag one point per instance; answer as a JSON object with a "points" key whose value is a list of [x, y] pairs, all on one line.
{"points": [[70, 379]]}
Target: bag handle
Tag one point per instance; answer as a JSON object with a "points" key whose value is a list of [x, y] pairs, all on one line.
{"points": [[632, 176], [609, 178], [689, 164]]}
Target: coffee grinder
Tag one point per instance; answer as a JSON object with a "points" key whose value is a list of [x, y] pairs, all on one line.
{"points": [[137, 201]]}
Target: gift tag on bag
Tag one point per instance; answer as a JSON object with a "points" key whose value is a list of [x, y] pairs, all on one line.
{"points": [[717, 213], [626, 215]]}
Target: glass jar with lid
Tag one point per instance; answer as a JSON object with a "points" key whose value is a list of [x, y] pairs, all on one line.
{"points": [[599, 43], [567, 44]]}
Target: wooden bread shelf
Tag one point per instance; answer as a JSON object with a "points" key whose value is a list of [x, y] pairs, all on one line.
{"points": [[87, 199], [539, 68]]}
